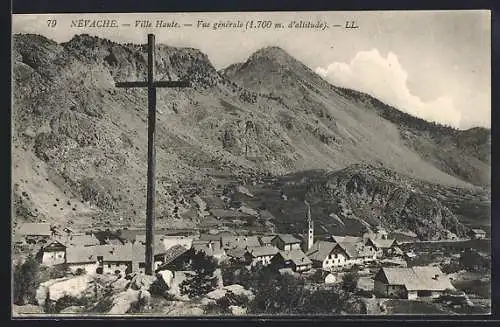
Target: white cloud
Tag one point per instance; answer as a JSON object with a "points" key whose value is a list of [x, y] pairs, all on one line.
{"points": [[386, 79]]}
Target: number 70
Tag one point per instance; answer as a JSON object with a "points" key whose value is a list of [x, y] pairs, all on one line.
{"points": [[51, 23]]}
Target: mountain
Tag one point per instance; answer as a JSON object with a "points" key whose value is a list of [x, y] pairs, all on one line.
{"points": [[79, 143], [465, 155], [365, 196]]}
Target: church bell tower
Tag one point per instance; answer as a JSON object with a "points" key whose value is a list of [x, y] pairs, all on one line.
{"points": [[310, 228]]}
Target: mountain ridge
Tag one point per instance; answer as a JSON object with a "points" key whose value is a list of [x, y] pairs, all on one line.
{"points": [[80, 140]]}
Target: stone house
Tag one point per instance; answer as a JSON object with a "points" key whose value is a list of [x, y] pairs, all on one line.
{"points": [[239, 242], [210, 248], [54, 253], [478, 233], [329, 255], [293, 259], [261, 254], [82, 258], [383, 246], [321, 254], [35, 232], [411, 283], [286, 242]]}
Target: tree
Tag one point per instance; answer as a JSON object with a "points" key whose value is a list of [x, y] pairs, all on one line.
{"points": [[202, 279], [276, 293], [26, 281], [350, 281]]}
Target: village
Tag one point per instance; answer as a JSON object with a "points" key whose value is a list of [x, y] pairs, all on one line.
{"points": [[386, 269]]}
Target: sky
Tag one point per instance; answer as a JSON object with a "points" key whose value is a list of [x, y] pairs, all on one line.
{"points": [[434, 65]]}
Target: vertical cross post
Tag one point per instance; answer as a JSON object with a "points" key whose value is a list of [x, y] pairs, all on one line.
{"points": [[151, 84], [151, 184]]}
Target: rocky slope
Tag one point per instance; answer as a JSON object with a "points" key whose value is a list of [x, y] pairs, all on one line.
{"points": [[364, 196], [79, 143], [345, 118]]}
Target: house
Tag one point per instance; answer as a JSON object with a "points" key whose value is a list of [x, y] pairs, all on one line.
{"points": [[113, 241], [173, 258], [141, 238], [478, 233], [210, 248], [383, 246], [122, 259], [172, 240], [294, 259], [82, 259], [35, 232], [212, 237], [266, 240], [322, 254], [329, 255], [54, 253], [411, 283], [236, 255], [127, 236], [80, 240], [286, 242], [240, 241], [261, 254]]}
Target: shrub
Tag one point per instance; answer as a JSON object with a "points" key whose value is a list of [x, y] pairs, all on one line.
{"points": [[202, 279], [64, 302], [159, 287], [58, 271], [350, 281], [26, 281]]}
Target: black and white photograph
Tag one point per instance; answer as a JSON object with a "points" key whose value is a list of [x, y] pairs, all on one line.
{"points": [[222, 164]]}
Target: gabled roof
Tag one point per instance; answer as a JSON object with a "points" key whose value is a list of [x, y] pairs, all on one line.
{"points": [[114, 241], [382, 243], [174, 252], [81, 254], [298, 257], [130, 234], [80, 240], [418, 278], [211, 248], [346, 239], [321, 250], [141, 238], [355, 250], [287, 238], [478, 231], [236, 253], [262, 251], [240, 241], [210, 237], [123, 253], [35, 229], [266, 239]]}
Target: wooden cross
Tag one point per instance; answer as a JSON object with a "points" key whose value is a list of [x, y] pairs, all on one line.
{"points": [[151, 84]]}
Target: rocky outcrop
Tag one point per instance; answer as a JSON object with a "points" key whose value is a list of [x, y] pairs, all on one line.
{"points": [[76, 287], [122, 302]]}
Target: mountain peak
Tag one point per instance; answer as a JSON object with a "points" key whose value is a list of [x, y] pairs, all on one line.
{"points": [[273, 53]]}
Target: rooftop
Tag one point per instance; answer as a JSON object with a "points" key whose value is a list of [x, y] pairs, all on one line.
{"points": [[262, 251], [296, 256], [288, 238], [321, 250], [35, 229], [418, 278]]}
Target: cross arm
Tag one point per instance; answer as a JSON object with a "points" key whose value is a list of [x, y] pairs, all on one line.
{"points": [[155, 84]]}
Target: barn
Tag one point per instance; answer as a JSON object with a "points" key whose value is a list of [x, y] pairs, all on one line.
{"points": [[411, 283]]}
